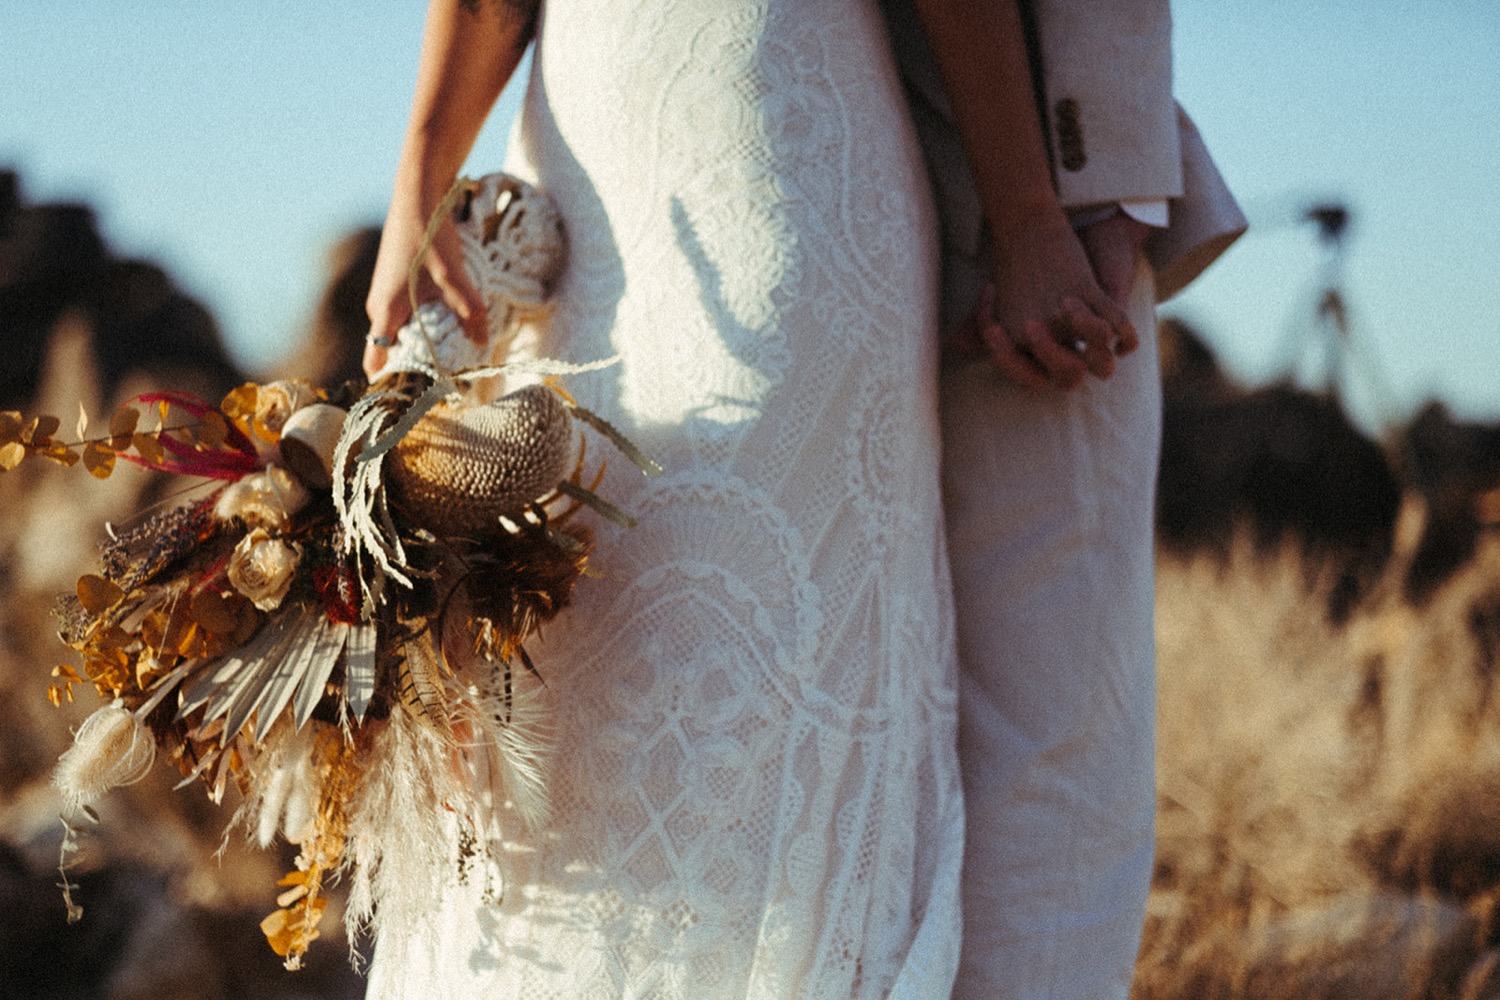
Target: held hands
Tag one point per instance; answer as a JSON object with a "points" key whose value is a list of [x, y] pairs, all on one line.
{"points": [[443, 277], [1055, 312]]}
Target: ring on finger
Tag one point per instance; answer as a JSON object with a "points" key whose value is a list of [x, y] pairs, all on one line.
{"points": [[380, 340]]}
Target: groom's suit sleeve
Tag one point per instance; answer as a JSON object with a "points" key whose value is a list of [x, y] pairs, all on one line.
{"points": [[1115, 133], [1113, 61]]}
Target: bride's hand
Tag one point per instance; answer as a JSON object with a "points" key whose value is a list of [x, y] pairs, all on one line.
{"points": [[443, 277], [1045, 320]]}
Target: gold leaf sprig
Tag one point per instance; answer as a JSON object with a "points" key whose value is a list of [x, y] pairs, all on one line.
{"points": [[21, 438]]}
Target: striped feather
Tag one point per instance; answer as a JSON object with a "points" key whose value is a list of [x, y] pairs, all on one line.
{"points": [[420, 682]]}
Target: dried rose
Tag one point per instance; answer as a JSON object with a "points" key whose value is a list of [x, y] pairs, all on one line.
{"points": [[276, 401], [262, 568], [264, 499]]}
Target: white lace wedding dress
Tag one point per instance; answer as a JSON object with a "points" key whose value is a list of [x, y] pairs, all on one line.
{"points": [[755, 789]]}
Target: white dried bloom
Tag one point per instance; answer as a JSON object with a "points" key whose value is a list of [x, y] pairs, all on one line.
{"points": [[264, 499], [262, 568], [111, 748]]}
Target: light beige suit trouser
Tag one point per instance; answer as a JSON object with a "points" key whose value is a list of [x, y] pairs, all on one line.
{"points": [[1049, 500]]}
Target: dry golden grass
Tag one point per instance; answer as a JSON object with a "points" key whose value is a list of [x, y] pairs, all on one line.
{"points": [[1329, 797]]}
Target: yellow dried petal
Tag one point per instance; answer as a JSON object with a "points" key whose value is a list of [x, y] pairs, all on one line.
{"points": [[98, 594], [83, 422], [54, 695], [240, 404], [66, 672], [11, 455]]}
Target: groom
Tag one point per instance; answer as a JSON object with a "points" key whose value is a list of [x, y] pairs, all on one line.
{"points": [[1049, 497]]}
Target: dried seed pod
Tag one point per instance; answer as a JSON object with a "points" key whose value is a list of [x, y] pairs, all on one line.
{"points": [[307, 442], [461, 468]]}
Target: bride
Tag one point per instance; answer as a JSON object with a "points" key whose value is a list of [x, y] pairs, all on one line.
{"points": [[754, 784]]}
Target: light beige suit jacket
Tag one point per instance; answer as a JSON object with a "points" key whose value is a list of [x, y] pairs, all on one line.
{"points": [[1114, 130]]}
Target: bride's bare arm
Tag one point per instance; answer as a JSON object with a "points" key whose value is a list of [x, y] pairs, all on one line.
{"points": [[1045, 302], [470, 48]]}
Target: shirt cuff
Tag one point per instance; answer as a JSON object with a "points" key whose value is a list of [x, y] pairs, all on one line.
{"points": [[1151, 211]]}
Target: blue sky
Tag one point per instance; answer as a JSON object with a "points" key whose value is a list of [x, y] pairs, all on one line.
{"points": [[234, 142]]}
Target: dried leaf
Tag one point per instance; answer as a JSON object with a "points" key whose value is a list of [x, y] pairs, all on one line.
{"points": [[276, 928], [209, 609], [289, 932], [178, 629], [154, 628], [10, 426], [66, 672], [122, 425], [248, 619], [99, 459], [98, 594], [187, 641], [328, 647], [62, 455], [213, 431], [147, 670], [113, 637], [42, 429], [148, 446], [107, 668], [11, 455]]}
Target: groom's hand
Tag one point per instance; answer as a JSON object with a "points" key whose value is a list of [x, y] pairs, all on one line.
{"points": [[1045, 320], [1113, 246]]}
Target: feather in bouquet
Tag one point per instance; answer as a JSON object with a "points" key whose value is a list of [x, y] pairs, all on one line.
{"points": [[338, 627]]}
